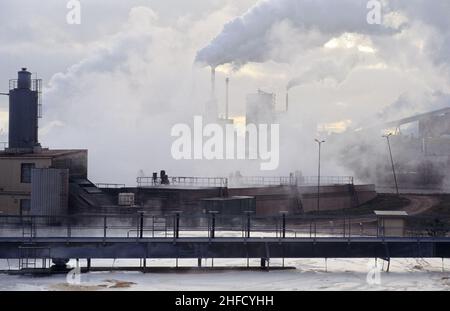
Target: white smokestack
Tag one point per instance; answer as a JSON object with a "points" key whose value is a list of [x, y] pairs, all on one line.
{"points": [[287, 100], [227, 97], [211, 106], [213, 83]]}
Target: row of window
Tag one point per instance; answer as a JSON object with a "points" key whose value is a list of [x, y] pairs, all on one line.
{"points": [[25, 178]]}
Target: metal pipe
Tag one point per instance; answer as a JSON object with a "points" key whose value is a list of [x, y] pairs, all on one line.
{"points": [[213, 83], [319, 142], [176, 227], [104, 227], [287, 100], [141, 232], [213, 225]]}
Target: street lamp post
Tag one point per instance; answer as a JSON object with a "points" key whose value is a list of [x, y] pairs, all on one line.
{"points": [[392, 161], [319, 142]]}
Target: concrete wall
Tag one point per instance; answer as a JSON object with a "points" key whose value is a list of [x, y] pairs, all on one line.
{"points": [[10, 172], [336, 197], [269, 200], [272, 200], [12, 191], [10, 203]]}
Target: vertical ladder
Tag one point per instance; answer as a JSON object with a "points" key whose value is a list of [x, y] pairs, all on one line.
{"points": [[28, 227]]}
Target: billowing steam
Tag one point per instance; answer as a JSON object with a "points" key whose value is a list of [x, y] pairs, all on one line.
{"points": [[248, 38], [337, 72]]}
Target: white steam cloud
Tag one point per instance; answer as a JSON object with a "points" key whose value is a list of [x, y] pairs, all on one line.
{"points": [[248, 38], [332, 70]]}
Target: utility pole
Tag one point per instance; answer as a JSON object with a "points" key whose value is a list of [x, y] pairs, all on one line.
{"points": [[392, 161], [319, 142]]}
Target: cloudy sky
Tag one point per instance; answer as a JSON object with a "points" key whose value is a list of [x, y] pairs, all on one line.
{"points": [[116, 83]]}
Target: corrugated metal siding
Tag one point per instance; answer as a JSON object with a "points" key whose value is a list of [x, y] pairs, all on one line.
{"points": [[49, 192]]}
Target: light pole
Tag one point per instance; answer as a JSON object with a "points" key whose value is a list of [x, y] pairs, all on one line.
{"points": [[392, 161], [319, 142]]}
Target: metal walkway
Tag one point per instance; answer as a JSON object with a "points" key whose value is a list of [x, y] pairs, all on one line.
{"points": [[219, 236], [229, 248]]}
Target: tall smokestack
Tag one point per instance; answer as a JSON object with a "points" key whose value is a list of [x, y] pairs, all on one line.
{"points": [[213, 83], [211, 106], [227, 97], [287, 99]]}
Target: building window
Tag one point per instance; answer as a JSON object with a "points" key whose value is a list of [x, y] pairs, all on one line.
{"points": [[25, 174], [25, 207]]}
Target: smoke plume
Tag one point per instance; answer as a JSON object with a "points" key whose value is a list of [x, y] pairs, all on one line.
{"points": [[248, 38]]}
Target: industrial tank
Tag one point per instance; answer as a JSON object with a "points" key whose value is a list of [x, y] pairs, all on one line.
{"points": [[49, 194], [24, 105]]}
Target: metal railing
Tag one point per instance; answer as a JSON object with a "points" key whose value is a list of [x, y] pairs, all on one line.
{"points": [[36, 86], [245, 181], [289, 180], [110, 186], [326, 180], [183, 181], [213, 225], [261, 181]]}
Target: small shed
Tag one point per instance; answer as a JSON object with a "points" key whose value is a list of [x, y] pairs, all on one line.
{"points": [[391, 223]]}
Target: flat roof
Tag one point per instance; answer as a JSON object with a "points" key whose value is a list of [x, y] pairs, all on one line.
{"points": [[390, 213], [241, 197], [44, 153]]}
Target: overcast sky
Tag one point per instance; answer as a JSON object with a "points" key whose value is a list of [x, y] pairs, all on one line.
{"points": [[116, 83]]}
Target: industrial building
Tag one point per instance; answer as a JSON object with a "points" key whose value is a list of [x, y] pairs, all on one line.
{"points": [[18, 170], [422, 149], [420, 146], [29, 172], [39, 181]]}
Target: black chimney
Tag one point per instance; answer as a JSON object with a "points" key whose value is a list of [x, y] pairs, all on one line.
{"points": [[24, 100]]}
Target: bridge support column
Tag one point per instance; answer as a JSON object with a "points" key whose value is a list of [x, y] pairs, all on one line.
{"points": [[265, 263], [141, 225]]}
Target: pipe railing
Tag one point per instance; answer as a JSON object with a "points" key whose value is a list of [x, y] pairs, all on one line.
{"points": [[215, 225], [244, 181], [182, 181]]}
